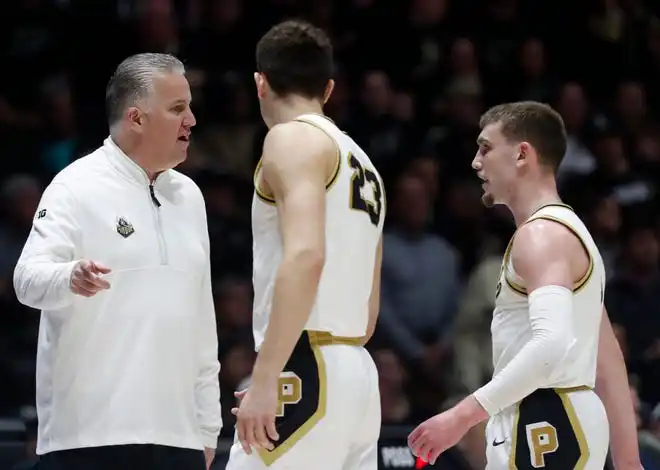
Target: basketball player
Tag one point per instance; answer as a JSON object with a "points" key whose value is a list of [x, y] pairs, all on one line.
{"points": [[317, 219], [550, 331]]}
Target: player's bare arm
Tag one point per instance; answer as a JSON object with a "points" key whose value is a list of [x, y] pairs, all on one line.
{"points": [[548, 257], [614, 391], [374, 298], [296, 164]]}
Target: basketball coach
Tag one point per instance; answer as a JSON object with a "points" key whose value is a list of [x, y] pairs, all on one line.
{"points": [[118, 262]]}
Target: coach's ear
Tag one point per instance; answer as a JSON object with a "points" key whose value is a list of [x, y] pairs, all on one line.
{"points": [[134, 118], [328, 90]]}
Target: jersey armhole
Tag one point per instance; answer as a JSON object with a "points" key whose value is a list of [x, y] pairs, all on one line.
{"points": [[582, 281], [577, 286], [335, 172]]}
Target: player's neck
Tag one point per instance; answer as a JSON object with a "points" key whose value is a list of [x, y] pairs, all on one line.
{"points": [[531, 198], [289, 108]]}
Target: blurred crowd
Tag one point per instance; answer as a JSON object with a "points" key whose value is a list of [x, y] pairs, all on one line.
{"points": [[413, 77]]}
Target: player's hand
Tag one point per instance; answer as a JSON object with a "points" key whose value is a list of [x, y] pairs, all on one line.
{"points": [[86, 278], [209, 455], [255, 416], [436, 435]]}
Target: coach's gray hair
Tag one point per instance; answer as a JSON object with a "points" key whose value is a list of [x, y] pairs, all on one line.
{"points": [[133, 81]]}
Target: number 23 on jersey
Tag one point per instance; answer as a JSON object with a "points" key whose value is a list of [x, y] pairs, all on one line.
{"points": [[362, 180]]}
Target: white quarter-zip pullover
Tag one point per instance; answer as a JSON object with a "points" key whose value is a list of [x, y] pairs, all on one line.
{"points": [[138, 363]]}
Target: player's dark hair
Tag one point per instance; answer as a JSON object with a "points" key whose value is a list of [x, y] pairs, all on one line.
{"points": [[296, 58], [533, 122]]}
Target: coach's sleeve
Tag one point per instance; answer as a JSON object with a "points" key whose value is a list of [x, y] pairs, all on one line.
{"points": [[43, 273], [207, 388]]}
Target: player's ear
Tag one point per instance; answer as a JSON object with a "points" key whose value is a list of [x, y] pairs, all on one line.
{"points": [[328, 90], [260, 81], [523, 152]]}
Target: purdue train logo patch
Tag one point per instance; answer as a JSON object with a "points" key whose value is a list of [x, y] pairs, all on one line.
{"points": [[124, 228]]}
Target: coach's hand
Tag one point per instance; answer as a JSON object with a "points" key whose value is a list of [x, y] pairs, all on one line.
{"points": [[86, 278], [255, 416]]}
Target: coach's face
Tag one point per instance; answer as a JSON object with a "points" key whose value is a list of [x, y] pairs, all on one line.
{"points": [[496, 163], [168, 121]]}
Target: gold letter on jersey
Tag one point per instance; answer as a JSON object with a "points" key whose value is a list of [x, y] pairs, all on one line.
{"points": [[542, 440], [290, 391]]}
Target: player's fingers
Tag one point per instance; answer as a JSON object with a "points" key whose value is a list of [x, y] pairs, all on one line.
{"points": [[260, 434], [250, 437], [240, 433], [419, 445], [234, 411], [423, 450], [240, 395], [414, 436], [433, 456], [271, 430]]}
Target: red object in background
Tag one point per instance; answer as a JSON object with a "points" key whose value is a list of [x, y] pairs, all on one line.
{"points": [[421, 463]]}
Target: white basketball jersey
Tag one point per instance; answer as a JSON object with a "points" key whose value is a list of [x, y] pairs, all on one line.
{"points": [[355, 211], [511, 328]]}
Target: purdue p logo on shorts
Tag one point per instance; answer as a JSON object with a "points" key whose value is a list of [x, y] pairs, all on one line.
{"points": [[289, 391], [541, 440], [547, 433]]}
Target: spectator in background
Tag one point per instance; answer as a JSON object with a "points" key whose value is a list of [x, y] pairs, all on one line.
{"points": [[396, 407], [472, 343], [20, 196], [573, 106], [233, 307], [604, 223], [30, 460], [632, 298], [419, 282], [617, 174]]}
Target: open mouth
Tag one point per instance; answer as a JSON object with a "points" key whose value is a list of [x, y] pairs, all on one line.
{"points": [[184, 138]]}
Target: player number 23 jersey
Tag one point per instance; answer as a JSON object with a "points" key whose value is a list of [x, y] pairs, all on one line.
{"points": [[355, 212]]}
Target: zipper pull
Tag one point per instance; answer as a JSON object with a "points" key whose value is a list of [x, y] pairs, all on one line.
{"points": [[153, 195]]}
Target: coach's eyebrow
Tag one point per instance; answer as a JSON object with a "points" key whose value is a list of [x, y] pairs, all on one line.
{"points": [[181, 101]]}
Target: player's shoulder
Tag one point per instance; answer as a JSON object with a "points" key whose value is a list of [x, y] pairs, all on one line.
{"points": [[542, 239], [295, 138]]}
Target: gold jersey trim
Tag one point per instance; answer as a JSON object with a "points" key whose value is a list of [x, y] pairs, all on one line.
{"points": [[579, 284], [268, 199]]}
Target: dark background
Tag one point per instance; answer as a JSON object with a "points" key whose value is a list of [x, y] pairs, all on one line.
{"points": [[413, 76]]}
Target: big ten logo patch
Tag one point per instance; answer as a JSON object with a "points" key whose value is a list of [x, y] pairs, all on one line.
{"points": [[541, 440], [289, 391]]}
